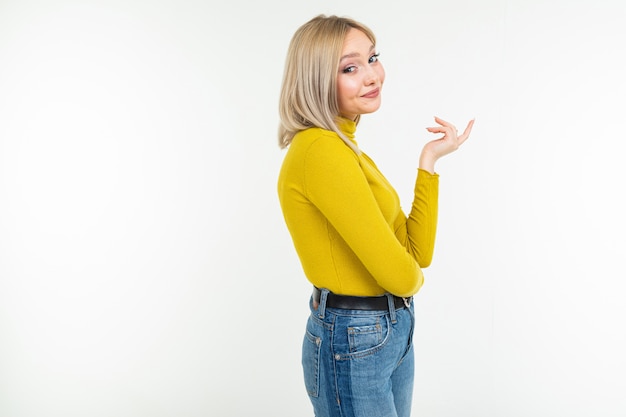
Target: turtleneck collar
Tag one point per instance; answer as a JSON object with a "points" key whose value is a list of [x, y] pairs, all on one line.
{"points": [[348, 128]]}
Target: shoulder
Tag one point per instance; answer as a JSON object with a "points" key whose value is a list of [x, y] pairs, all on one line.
{"points": [[319, 156], [318, 145]]}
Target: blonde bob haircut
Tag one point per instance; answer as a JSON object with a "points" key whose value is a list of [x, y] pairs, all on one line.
{"points": [[308, 97]]}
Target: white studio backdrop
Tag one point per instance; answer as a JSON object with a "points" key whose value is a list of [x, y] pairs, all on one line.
{"points": [[145, 269]]}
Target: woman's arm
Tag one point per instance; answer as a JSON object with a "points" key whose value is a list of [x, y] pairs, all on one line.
{"points": [[417, 231]]}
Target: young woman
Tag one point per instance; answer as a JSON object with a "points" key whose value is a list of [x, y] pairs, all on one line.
{"points": [[362, 254]]}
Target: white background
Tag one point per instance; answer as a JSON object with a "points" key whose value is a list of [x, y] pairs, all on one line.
{"points": [[145, 269]]}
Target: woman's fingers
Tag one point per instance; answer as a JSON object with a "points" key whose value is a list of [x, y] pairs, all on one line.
{"points": [[438, 129], [450, 141], [466, 132], [448, 128], [444, 123]]}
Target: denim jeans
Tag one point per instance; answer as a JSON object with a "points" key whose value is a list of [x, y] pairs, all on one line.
{"points": [[359, 363]]}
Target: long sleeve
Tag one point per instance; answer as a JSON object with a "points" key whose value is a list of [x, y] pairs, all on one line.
{"points": [[417, 232]]}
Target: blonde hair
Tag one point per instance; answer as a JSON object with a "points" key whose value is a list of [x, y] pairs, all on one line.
{"points": [[308, 97]]}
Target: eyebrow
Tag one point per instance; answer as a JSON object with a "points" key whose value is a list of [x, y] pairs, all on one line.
{"points": [[356, 54]]}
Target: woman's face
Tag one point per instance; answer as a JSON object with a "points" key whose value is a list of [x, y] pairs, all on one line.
{"points": [[361, 76]]}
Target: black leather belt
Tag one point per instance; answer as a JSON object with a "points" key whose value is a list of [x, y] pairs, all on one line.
{"points": [[350, 302]]}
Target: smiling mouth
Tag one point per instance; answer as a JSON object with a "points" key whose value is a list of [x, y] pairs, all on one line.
{"points": [[372, 94]]}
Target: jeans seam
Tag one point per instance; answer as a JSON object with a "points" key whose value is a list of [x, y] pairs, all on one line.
{"points": [[410, 341]]}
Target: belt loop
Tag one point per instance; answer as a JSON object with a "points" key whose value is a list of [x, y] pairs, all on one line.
{"points": [[392, 308], [321, 309]]}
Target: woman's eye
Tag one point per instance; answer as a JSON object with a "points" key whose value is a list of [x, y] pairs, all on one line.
{"points": [[352, 68]]}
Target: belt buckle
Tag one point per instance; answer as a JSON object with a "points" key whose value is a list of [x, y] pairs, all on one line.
{"points": [[407, 301]]}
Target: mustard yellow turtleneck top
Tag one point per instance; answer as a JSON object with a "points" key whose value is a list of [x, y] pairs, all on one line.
{"points": [[345, 219]]}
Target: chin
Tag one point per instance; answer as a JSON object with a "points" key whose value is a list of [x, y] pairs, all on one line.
{"points": [[370, 110]]}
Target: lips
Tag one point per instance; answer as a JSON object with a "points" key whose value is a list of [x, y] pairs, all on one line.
{"points": [[372, 94]]}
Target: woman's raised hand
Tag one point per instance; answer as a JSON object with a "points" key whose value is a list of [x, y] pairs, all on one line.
{"points": [[448, 143]]}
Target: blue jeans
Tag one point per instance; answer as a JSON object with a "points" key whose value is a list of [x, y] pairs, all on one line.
{"points": [[359, 363]]}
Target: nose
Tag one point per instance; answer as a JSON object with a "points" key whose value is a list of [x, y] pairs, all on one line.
{"points": [[371, 75]]}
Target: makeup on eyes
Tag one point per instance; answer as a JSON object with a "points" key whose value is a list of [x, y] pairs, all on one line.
{"points": [[351, 68]]}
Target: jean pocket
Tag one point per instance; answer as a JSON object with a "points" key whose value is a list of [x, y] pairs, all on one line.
{"points": [[367, 335], [311, 347]]}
